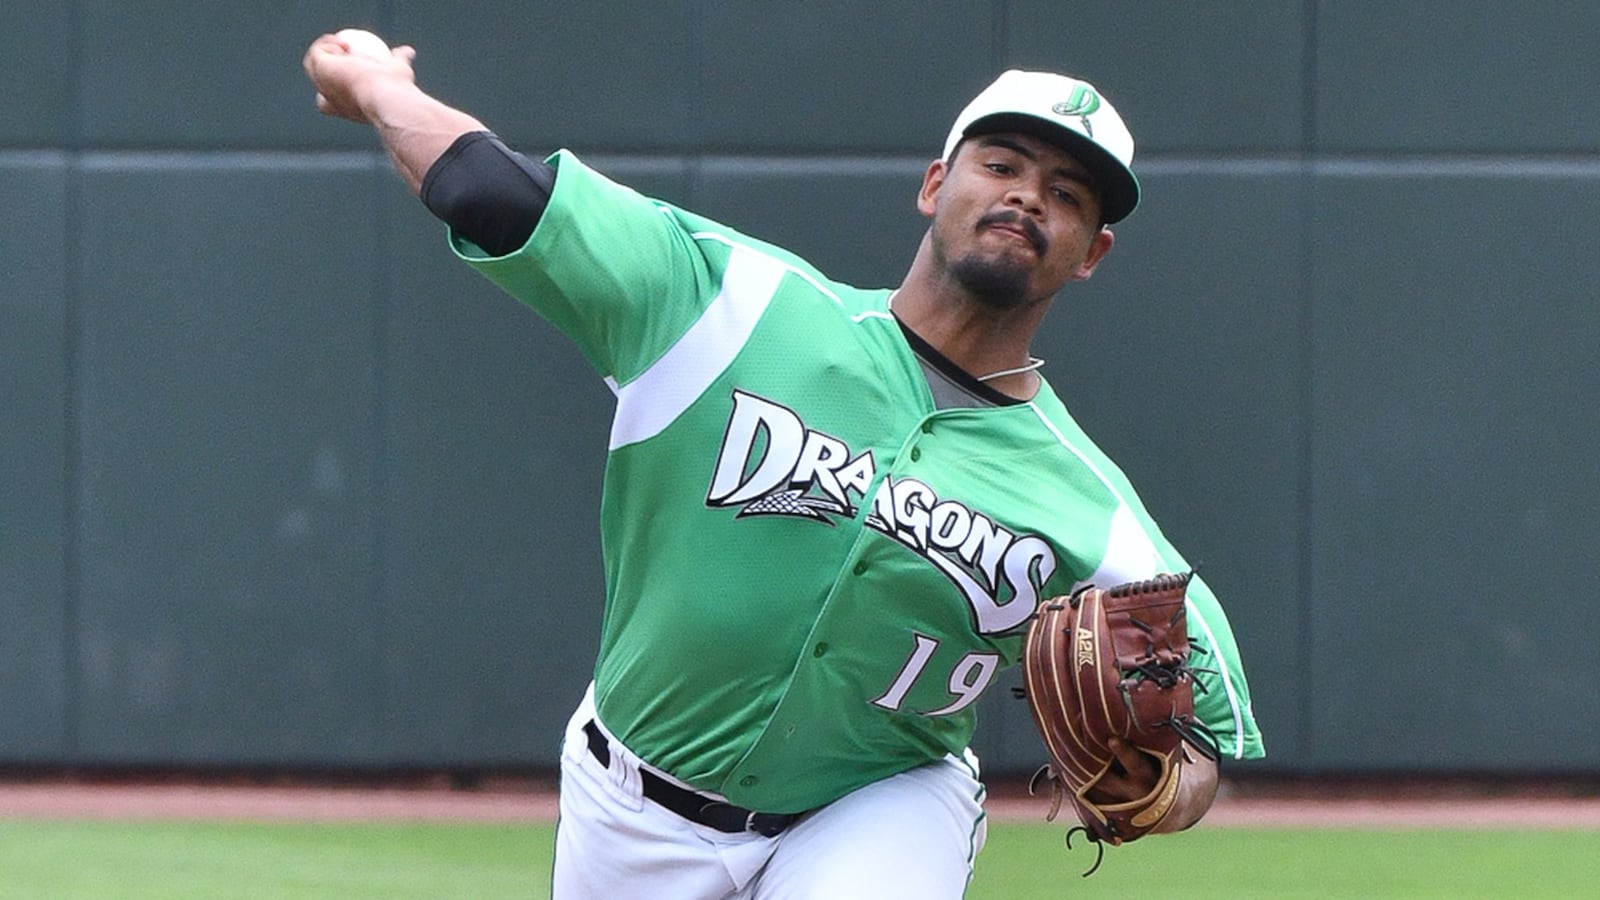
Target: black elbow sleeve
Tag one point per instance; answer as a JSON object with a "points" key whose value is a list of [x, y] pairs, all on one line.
{"points": [[488, 193]]}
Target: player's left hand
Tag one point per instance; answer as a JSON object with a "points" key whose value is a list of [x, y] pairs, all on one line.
{"points": [[1133, 775]]}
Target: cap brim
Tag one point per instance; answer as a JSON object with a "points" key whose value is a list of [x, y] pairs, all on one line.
{"points": [[1115, 182]]}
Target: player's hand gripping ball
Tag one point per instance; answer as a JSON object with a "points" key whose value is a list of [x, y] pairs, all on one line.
{"points": [[364, 43], [341, 65]]}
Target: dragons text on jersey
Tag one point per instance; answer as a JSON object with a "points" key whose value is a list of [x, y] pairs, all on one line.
{"points": [[770, 463]]}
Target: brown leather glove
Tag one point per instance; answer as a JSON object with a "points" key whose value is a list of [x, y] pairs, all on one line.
{"points": [[1114, 663]]}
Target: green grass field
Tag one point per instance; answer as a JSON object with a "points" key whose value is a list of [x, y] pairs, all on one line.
{"points": [[42, 860]]}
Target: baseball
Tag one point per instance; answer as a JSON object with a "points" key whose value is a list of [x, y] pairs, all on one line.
{"points": [[364, 43]]}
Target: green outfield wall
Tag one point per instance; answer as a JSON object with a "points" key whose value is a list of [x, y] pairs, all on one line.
{"points": [[283, 485]]}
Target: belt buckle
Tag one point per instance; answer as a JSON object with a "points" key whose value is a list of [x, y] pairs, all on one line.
{"points": [[767, 824], [723, 816]]}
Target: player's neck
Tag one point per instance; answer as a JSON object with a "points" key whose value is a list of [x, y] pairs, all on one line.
{"points": [[987, 343]]}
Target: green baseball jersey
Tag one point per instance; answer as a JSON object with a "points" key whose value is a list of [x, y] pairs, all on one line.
{"points": [[812, 573]]}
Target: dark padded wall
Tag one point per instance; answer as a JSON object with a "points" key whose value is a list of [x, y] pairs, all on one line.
{"points": [[36, 449], [282, 484]]}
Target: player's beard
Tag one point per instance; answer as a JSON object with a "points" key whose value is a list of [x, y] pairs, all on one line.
{"points": [[999, 283]]}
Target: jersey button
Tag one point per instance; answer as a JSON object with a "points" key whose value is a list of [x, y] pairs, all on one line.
{"points": [[916, 453], [820, 650], [749, 781], [927, 428], [860, 567]]}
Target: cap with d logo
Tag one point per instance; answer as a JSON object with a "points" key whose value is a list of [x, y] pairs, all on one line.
{"points": [[1066, 112]]}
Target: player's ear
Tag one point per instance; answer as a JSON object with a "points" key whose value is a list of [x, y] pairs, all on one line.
{"points": [[932, 180], [1098, 248]]}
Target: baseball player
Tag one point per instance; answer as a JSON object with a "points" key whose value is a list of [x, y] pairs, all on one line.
{"points": [[829, 512]]}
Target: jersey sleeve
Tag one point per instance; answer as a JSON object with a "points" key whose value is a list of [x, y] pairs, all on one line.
{"points": [[1222, 698], [1222, 695], [619, 273]]}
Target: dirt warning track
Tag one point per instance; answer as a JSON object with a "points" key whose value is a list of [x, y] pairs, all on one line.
{"points": [[519, 801]]}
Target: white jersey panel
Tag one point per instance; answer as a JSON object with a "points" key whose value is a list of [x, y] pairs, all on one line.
{"points": [[651, 402]]}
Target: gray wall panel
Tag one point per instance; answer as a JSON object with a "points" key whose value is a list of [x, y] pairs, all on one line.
{"points": [[197, 74], [227, 601], [38, 59], [839, 76], [705, 74], [856, 220], [615, 77], [1210, 76], [33, 458], [1454, 415], [1446, 76], [496, 429]]}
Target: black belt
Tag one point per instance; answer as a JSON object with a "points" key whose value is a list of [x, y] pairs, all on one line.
{"points": [[724, 817]]}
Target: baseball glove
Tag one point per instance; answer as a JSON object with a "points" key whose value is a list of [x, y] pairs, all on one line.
{"points": [[1113, 663]]}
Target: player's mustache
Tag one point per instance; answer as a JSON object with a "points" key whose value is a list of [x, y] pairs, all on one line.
{"points": [[1027, 226]]}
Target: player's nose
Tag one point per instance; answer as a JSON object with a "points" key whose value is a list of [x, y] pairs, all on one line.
{"points": [[1027, 197]]}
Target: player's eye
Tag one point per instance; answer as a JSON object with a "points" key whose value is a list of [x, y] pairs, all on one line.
{"points": [[1065, 196], [999, 168]]}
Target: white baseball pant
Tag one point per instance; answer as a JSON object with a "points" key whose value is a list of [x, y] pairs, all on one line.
{"points": [[912, 836]]}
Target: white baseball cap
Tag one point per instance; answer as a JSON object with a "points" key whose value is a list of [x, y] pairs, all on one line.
{"points": [[1067, 112]]}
